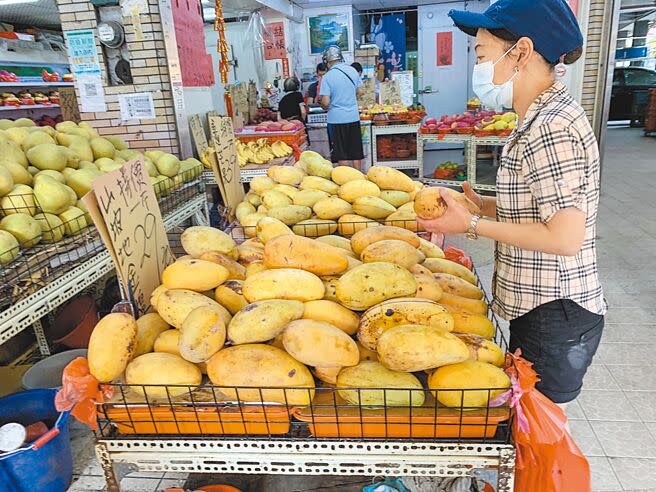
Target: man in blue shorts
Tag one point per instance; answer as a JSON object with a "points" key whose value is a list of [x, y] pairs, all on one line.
{"points": [[338, 93]]}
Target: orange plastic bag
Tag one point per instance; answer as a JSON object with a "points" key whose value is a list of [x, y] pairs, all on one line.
{"points": [[80, 392], [548, 459]]}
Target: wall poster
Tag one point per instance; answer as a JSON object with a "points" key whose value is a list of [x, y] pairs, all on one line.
{"points": [[444, 48], [324, 30], [274, 41]]}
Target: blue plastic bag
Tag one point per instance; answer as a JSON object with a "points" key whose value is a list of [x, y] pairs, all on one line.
{"points": [[387, 485]]}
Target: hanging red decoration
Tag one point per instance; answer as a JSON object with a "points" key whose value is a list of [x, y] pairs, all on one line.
{"points": [[221, 44]]}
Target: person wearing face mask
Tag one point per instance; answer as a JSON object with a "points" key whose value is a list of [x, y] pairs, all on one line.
{"points": [[543, 218]]}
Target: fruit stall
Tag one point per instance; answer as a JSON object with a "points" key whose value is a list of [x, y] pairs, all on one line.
{"points": [[474, 130], [269, 143], [349, 343]]}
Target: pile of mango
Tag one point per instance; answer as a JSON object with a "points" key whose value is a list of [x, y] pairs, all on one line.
{"points": [[281, 311], [44, 172], [317, 199]]}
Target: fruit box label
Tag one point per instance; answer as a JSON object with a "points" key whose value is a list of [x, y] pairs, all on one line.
{"points": [[124, 208]]}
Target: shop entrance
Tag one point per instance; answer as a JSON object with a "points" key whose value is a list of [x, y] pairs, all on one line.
{"points": [[443, 60]]}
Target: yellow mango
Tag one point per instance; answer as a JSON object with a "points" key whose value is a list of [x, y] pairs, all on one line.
{"points": [[320, 344], [111, 346], [263, 320], [283, 283], [261, 366], [478, 381], [293, 251]]}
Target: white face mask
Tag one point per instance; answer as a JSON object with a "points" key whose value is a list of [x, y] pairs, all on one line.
{"points": [[491, 95]]}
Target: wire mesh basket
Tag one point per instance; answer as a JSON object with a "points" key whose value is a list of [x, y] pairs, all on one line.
{"points": [[328, 412], [56, 244], [324, 412]]}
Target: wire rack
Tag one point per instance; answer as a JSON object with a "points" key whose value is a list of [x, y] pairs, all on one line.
{"points": [[325, 412], [62, 244]]}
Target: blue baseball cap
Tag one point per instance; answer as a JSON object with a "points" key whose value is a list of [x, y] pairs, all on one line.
{"points": [[550, 24]]}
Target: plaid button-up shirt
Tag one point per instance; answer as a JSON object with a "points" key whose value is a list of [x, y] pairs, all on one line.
{"points": [[550, 163]]}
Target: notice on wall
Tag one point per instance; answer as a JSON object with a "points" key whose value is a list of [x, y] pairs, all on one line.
{"points": [[92, 93], [124, 208], [390, 92], [195, 63], [132, 7], [406, 86], [274, 41], [82, 52], [136, 106], [226, 169], [444, 48]]}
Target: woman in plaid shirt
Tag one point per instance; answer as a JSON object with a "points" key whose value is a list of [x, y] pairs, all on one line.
{"points": [[544, 216]]}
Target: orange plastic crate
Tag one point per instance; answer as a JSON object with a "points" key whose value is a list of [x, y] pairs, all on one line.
{"points": [[331, 416], [183, 419], [296, 138]]}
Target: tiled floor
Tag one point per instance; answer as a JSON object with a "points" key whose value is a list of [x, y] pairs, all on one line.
{"points": [[614, 419]]}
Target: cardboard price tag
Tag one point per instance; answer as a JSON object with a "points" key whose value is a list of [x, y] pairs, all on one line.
{"points": [[200, 141], [124, 208], [390, 93], [367, 94], [223, 141]]}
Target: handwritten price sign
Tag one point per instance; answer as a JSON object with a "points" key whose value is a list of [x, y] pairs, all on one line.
{"points": [[227, 171], [124, 208]]}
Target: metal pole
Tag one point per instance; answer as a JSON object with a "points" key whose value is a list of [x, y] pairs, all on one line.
{"points": [[175, 76], [605, 73]]}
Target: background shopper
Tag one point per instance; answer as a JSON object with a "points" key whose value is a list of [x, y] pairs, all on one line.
{"points": [[338, 93]]}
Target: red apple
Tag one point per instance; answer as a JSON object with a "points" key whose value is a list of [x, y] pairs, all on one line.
{"points": [[430, 121]]}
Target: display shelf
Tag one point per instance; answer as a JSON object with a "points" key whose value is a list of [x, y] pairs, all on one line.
{"points": [[28, 106], [394, 129], [36, 84], [399, 164], [29, 310], [303, 457], [405, 164], [470, 143]]}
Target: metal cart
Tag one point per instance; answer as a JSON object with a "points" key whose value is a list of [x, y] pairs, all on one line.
{"points": [[203, 431]]}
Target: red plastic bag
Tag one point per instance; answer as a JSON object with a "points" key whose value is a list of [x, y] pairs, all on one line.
{"points": [[548, 459], [80, 392], [458, 256]]}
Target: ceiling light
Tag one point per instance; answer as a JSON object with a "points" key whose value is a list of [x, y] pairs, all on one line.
{"points": [[13, 2]]}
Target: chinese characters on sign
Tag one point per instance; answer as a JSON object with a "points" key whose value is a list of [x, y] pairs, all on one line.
{"points": [[285, 68], [82, 52], [223, 141], [390, 92], [367, 96], [124, 207], [406, 87], [85, 65], [137, 106], [195, 63], [444, 49], [274, 44]]}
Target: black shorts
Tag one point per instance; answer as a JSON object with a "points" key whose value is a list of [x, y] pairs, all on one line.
{"points": [[345, 141], [560, 338]]}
